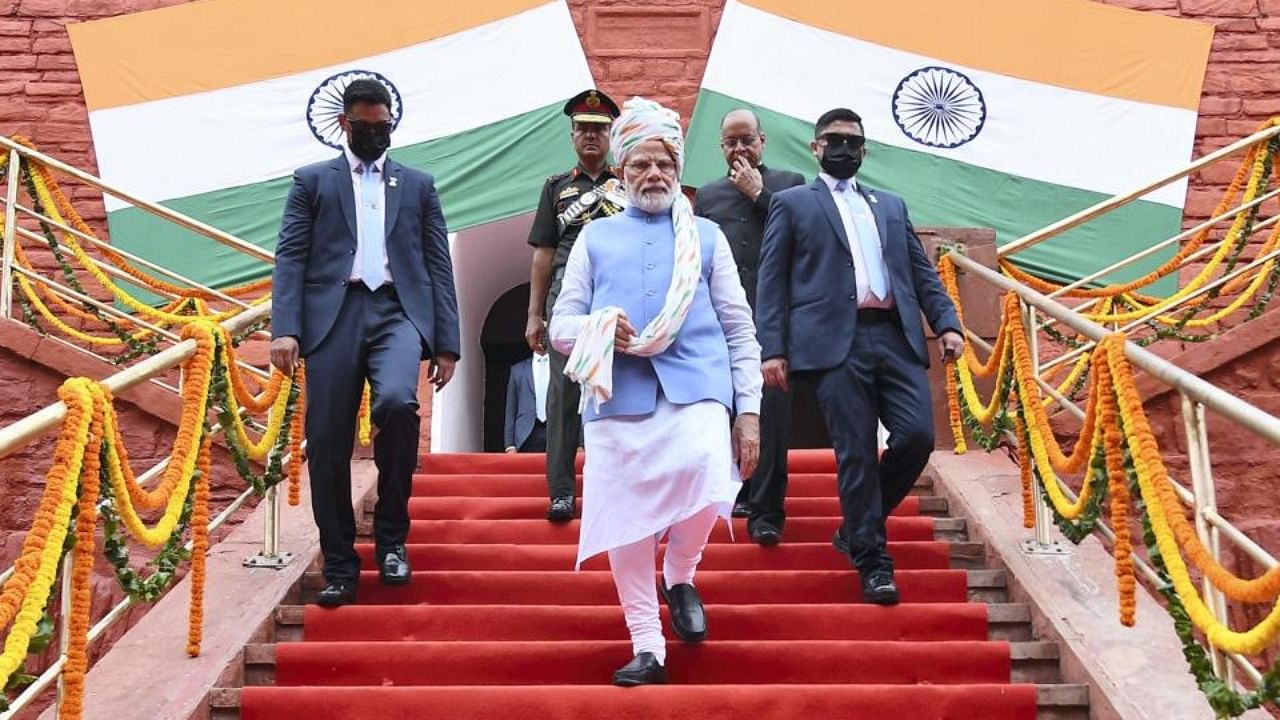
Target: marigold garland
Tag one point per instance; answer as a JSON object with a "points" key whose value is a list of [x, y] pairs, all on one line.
{"points": [[199, 544], [40, 176], [77, 663], [364, 416], [953, 411], [36, 570], [296, 435], [1118, 438], [91, 475], [1025, 475], [1118, 490]]}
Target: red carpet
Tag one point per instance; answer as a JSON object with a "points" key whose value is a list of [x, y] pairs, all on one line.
{"points": [[497, 625]]}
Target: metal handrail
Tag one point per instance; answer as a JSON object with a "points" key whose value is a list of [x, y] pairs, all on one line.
{"points": [[122, 253], [1157, 310], [1073, 221], [1212, 397], [70, 294], [156, 209], [21, 432], [149, 369], [1197, 395], [1166, 243]]}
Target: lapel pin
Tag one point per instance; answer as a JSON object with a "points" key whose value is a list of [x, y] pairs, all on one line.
{"points": [[391, 181], [870, 196]]}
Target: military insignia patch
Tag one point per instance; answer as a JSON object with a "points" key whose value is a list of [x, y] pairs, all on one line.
{"points": [[569, 192]]}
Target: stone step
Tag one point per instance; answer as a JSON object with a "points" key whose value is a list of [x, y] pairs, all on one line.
{"points": [[985, 585], [1054, 701], [1005, 621], [1034, 661]]}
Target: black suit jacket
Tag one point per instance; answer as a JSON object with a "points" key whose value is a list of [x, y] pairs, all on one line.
{"points": [[743, 220], [807, 310], [317, 246]]}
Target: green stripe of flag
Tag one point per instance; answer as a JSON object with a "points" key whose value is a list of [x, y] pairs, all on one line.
{"points": [[948, 193], [486, 174]]}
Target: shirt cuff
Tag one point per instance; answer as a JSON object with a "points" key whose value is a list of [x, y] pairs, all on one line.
{"points": [[747, 405]]}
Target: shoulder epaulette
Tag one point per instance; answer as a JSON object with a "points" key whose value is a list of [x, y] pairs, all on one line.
{"points": [[561, 176]]}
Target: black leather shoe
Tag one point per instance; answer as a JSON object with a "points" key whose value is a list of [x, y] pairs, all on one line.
{"points": [[879, 588], [393, 566], [561, 509], [642, 670], [839, 542], [337, 593], [766, 535], [688, 620], [742, 509]]}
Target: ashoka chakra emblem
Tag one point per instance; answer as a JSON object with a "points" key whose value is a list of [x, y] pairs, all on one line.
{"points": [[325, 105], [939, 107]]}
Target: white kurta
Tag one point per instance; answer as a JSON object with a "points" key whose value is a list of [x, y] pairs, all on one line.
{"points": [[645, 473]]}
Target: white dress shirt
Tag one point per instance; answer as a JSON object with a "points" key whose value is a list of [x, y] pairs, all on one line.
{"points": [[727, 297], [860, 264], [379, 202], [541, 375]]}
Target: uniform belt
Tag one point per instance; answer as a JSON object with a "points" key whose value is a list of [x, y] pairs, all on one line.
{"points": [[872, 316]]}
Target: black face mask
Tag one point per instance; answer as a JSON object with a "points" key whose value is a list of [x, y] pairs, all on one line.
{"points": [[368, 142], [841, 163]]}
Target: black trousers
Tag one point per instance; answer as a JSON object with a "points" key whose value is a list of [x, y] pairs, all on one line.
{"points": [[880, 379], [564, 424], [766, 491], [537, 440], [372, 338], [564, 429]]}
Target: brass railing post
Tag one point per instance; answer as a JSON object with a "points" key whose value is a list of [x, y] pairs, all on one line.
{"points": [[271, 556], [1205, 502], [1042, 543], [14, 175], [64, 622]]}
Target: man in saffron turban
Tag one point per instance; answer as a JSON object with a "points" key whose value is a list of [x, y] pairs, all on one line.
{"points": [[660, 337]]}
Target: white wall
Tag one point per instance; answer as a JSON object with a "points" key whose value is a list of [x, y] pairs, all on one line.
{"points": [[487, 261]]}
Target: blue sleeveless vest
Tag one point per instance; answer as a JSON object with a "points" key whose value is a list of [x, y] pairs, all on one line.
{"points": [[632, 256]]}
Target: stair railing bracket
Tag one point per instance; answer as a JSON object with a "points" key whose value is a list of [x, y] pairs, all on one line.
{"points": [[1031, 546], [275, 562]]}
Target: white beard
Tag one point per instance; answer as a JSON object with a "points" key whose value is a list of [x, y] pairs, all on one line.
{"points": [[652, 202]]}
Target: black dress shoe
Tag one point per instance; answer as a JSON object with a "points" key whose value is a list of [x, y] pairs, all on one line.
{"points": [[393, 566], [879, 588], [561, 509], [688, 619], [766, 535], [841, 544], [643, 669], [337, 593], [742, 508]]}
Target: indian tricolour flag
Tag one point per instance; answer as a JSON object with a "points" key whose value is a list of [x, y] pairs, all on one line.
{"points": [[1009, 114], [208, 108]]}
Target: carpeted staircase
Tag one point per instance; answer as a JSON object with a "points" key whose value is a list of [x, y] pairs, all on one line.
{"points": [[496, 624]]}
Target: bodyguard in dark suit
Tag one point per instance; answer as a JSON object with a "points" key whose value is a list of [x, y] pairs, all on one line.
{"points": [[843, 281], [739, 204], [363, 288], [525, 428]]}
